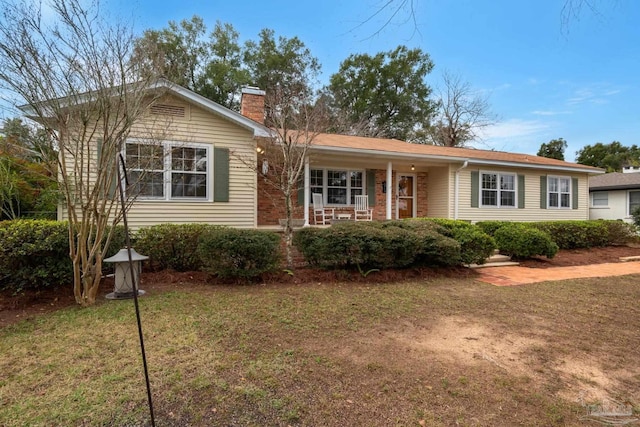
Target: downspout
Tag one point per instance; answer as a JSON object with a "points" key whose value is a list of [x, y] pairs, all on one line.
{"points": [[456, 190]]}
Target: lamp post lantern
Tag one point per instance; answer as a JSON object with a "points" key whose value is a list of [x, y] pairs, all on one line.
{"points": [[124, 283]]}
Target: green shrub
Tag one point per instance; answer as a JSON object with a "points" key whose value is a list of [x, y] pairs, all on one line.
{"points": [[490, 227], [232, 253], [389, 244], [34, 254], [362, 244], [620, 232], [521, 241], [575, 234], [475, 245], [172, 246]]}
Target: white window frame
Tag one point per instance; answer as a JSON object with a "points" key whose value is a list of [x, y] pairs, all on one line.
{"points": [[325, 184], [629, 201], [600, 199], [498, 190], [167, 147], [559, 193]]}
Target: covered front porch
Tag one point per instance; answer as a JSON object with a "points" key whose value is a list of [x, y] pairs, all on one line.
{"points": [[396, 186]]}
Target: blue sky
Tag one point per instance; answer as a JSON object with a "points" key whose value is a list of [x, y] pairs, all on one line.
{"points": [[544, 79]]}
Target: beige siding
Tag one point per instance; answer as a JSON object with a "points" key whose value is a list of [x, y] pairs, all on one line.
{"points": [[438, 192], [201, 127], [532, 211]]}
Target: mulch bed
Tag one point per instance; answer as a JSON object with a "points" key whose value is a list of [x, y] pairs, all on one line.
{"points": [[26, 305]]}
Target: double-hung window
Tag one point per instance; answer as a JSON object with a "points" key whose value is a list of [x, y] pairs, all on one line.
{"points": [[169, 170], [634, 201], [600, 198], [498, 189], [559, 192], [338, 186]]}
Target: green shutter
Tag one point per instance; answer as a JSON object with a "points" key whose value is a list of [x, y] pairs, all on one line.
{"points": [[301, 190], [371, 187], [543, 192], [220, 174], [574, 193], [475, 188], [520, 191]]}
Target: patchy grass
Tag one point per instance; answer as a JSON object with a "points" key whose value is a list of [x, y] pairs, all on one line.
{"points": [[440, 352]]}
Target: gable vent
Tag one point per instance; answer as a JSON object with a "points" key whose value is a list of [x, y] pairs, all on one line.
{"points": [[168, 110]]}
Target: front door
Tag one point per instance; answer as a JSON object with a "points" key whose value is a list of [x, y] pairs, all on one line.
{"points": [[405, 197]]}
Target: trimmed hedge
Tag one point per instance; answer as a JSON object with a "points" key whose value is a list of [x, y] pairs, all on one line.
{"points": [[523, 241], [34, 254], [366, 245], [238, 253], [620, 232], [574, 234], [475, 244], [172, 246]]}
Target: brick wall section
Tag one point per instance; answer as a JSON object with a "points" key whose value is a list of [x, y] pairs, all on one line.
{"points": [[252, 106], [271, 204]]}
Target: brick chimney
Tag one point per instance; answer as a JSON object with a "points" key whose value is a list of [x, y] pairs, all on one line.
{"points": [[252, 103]]}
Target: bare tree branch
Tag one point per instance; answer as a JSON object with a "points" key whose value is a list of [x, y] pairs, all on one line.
{"points": [[461, 115], [74, 76]]}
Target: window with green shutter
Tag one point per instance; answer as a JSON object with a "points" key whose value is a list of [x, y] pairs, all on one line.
{"points": [[177, 171]]}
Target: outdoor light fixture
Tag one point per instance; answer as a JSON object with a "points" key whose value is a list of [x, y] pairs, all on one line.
{"points": [[260, 150], [413, 167], [124, 283]]}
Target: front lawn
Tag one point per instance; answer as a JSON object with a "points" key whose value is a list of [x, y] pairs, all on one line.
{"points": [[437, 352]]}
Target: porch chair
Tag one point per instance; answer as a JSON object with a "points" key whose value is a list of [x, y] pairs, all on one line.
{"points": [[325, 214], [362, 211]]}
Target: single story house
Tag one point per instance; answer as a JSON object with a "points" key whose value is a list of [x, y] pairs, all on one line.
{"points": [[614, 195], [206, 176]]}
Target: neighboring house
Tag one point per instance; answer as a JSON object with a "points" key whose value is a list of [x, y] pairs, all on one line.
{"points": [[206, 176], [614, 195]]}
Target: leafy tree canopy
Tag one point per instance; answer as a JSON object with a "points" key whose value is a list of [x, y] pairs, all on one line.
{"points": [[216, 65], [383, 95], [553, 149], [612, 157]]}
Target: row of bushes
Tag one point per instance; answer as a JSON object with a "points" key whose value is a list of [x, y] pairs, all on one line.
{"points": [[34, 254], [222, 251], [573, 234], [394, 244]]}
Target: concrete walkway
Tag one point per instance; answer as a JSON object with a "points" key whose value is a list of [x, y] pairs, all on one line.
{"points": [[515, 275]]}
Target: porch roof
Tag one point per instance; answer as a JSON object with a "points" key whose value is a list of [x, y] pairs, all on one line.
{"points": [[399, 150]]}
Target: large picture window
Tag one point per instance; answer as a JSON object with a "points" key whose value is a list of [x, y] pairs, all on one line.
{"points": [[498, 189], [337, 186], [559, 192], [168, 170]]}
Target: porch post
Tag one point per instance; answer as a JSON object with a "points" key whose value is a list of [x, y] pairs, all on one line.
{"points": [[307, 188], [389, 188]]}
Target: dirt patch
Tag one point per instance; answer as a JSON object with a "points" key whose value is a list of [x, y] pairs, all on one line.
{"points": [[455, 340]]}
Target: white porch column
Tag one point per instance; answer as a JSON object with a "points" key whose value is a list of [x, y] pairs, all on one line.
{"points": [[307, 191], [389, 188]]}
